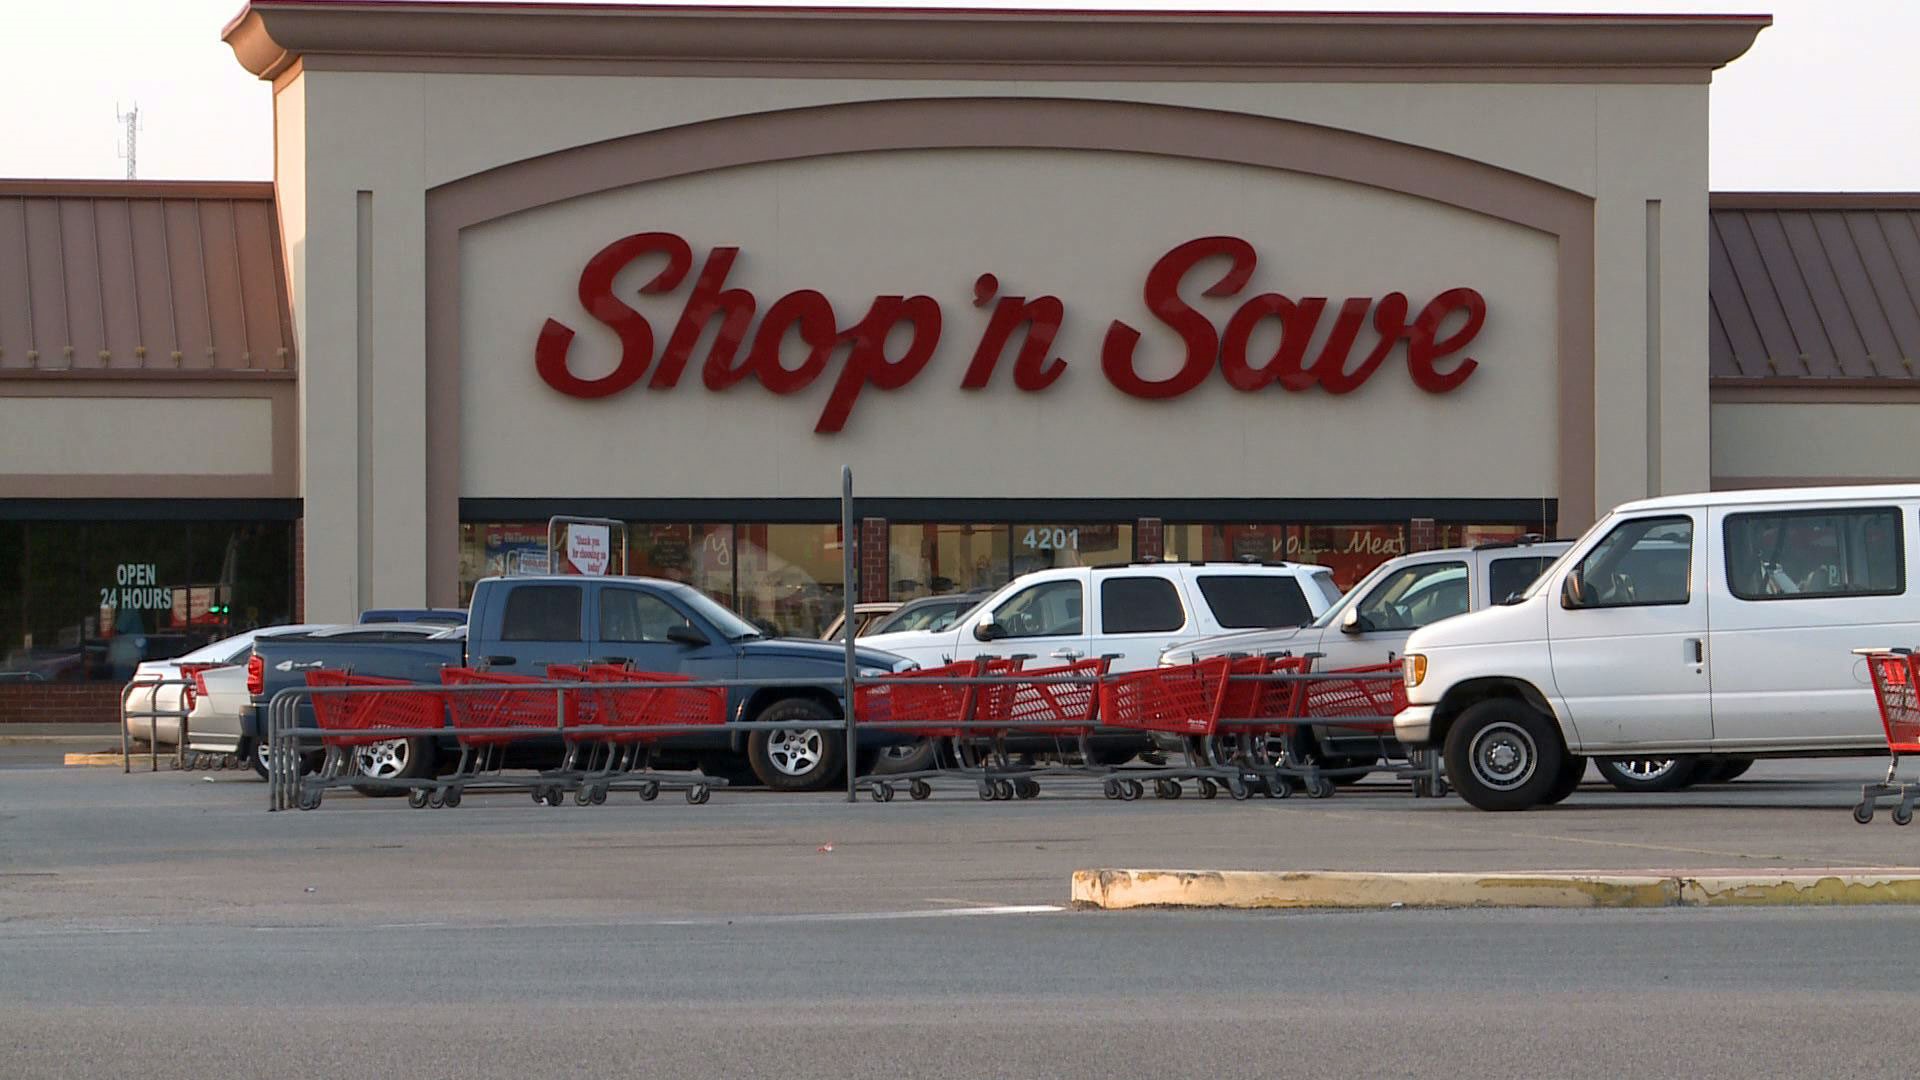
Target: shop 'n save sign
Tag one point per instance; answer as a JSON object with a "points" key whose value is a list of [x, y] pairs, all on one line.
{"points": [[742, 350]]}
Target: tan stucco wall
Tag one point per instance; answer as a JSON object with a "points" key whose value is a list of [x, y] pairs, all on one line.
{"points": [[1815, 442], [101, 436], [397, 135]]}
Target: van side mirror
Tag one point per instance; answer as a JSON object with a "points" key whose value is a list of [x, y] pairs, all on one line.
{"points": [[1573, 592], [1352, 622], [988, 630], [682, 634]]}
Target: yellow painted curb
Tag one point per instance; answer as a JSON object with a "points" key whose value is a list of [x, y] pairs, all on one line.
{"points": [[113, 758], [1253, 889]]}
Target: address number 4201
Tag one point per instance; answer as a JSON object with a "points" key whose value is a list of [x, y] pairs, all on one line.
{"points": [[1051, 540]]}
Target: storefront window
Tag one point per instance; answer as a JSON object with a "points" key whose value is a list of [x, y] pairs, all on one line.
{"points": [[91, 600], [789, 577], [1041, 547], [1351, 551], [700, 555], [1447, 536], [494, 548], [1225, 543], [929, 559]]}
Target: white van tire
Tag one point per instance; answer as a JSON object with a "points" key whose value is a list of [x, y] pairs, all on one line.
{"points": [[1573, 769], [1503, 755], [1640, 774]]}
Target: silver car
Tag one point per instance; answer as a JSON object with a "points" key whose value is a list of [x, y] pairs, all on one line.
{"points": [[147, 696]]}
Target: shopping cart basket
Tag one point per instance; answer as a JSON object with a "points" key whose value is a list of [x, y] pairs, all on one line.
{"points": [[1896, 689], [1183, 700], [355, 715]]}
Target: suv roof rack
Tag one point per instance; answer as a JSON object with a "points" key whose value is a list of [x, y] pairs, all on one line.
{"points": [[1528, 540]]}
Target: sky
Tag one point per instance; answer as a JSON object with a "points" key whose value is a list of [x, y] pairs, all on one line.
{"points": [[1823, 102]]}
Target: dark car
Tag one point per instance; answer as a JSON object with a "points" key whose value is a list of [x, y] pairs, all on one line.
{"points": [[523, 624]]}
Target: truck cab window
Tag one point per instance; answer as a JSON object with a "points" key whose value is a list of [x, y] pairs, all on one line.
{"points": [[542, 613], [629, 615], [1045, 610]]}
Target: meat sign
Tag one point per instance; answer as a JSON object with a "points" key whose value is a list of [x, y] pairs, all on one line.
{"points": [[741, 350]]}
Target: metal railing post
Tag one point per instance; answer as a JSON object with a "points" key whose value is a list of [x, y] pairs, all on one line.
{"points": [[126, 750], [849, 576]]}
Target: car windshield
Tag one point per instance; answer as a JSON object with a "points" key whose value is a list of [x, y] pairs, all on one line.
{"points": [[1352, 596], [731, 626], [931, 615]]}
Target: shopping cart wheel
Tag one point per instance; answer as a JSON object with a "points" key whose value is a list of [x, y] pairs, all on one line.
{"points": [[1004, 789], [1279, 787], [1237, 788], [1208, 789], [698, 793], [1027, 789], [1902, 814], [600, 794], [874, 791], [1320, 788], [986, 791], [649, 791], [436, 800], [1863, 812], [920, 789], [309, 800], [886, 793], [452, 798], [583, 795], [539, 794], [1135, 789], [556, 795], [1111, 789], [417, 798]]}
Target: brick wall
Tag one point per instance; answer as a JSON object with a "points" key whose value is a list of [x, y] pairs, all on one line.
{"points": [[59, 703], [873, 568], [1149, 539], [1423, 535]]}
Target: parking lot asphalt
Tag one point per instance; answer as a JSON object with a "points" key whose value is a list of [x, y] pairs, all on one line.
{"points": [[799, 936]]}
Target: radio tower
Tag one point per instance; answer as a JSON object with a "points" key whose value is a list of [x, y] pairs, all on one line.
{"points": [[131, 151]]}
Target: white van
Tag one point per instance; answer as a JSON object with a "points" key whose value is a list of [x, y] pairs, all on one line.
{"points": [[1720, 623]]}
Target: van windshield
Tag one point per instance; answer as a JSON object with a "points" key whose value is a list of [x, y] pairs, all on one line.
{"points": [[1553, 568]]}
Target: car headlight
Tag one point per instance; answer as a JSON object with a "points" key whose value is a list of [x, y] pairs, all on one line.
{"points": [[1413, 669]]}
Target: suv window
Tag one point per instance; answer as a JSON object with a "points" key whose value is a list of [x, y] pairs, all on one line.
{"points": [[1641, 563], [1806, 554], [629, 615], [1253, 601], [1140, 605], [1413, 596], [1508, 576], [542, 613], [1048, 609]]}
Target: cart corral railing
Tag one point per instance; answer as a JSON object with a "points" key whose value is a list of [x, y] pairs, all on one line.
{"points": [[153, 714], [979, 715]]}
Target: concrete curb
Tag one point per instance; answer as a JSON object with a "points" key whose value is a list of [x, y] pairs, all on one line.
{"points": [[113, 758], [1115, 890]]}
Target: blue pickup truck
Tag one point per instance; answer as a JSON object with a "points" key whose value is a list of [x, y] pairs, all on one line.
{"points": [[522, 624]]}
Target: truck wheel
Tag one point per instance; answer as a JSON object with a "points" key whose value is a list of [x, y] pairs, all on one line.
{"points": [[1572, 771], [913, 757], [1649, 774], [801, 757], [1502, 755], [254, 751], [394, 759]]}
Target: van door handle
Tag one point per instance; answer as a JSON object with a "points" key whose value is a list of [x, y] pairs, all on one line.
{"points": [[1697, 648]]}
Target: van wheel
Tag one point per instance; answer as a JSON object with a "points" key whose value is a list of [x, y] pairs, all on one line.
{"points": [[1649, 774], [801, 757], [1502, 755]]}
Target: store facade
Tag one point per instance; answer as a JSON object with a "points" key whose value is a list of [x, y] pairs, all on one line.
{"points": [[1058, 286]]}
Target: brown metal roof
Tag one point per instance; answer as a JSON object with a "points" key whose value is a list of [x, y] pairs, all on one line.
{"points": [[1815, 286], [148, 276]]}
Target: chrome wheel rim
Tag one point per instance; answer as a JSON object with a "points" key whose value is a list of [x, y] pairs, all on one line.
{"points": [[383, 760], [1645, 770], [261, 752], [795, 751], [1502, 756]]}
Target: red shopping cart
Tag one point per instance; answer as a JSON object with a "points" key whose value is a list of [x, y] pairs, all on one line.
{"points": [[505, 708], [1060, 703], [1896, 689], [927, 703], [1346, 704], [1183, 700], [357, 715], [648, 706]]}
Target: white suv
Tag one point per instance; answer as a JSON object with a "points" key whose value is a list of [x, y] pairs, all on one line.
{"points": [[1133, 612]]}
